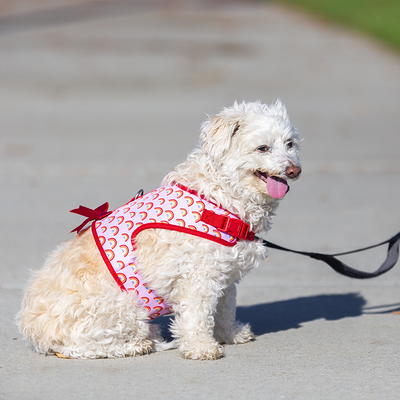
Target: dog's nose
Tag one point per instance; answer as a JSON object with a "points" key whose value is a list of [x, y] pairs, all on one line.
{"points": [[292, 171]]}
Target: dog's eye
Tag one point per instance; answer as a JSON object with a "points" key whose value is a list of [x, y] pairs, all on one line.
{"points": [[263, 149], [289, 144]]}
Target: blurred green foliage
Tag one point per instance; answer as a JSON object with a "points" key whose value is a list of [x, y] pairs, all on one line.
{"points": [[379, 18]]}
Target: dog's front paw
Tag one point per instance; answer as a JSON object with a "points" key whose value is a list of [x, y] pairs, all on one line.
{"points": [[242, 334], [202, 351]]}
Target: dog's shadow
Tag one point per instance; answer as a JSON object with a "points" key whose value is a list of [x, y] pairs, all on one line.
{"points": [[288, 314]]}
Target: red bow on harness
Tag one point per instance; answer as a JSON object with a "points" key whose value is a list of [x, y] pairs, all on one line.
{"points": [[92, 215]]}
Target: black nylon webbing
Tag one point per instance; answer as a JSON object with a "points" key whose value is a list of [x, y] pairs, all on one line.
{"points": [[342, 268]]}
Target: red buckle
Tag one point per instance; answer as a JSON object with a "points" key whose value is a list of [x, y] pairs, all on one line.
{"points": [[237, 228], [233, 226], [225, 222]]}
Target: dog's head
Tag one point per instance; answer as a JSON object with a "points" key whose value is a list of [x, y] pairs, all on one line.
{"points": [[254, 146]]}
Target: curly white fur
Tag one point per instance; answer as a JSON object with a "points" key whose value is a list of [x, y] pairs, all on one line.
{"points": [[73, 305]]}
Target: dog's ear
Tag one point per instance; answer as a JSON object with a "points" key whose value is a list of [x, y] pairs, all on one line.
{"points": [[279, 109], [217, 133]]}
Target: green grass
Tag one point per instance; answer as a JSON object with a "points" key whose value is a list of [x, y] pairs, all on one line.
{"points": [[379, 18]]}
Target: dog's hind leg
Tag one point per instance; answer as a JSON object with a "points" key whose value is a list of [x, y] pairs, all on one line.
{"points": [[227, 329], [73, 307], [108, 327]]}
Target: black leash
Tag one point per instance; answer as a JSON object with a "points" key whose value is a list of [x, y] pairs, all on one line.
{"points": [[340, 267]]}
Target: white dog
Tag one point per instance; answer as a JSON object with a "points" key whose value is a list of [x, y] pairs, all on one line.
{"points": [[74, 308]]}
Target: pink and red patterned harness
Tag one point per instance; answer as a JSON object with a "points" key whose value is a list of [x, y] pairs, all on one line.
{"points": [[171, 207]]}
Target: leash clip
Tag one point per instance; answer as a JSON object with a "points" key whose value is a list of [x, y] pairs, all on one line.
{"points": [[140, 193]]}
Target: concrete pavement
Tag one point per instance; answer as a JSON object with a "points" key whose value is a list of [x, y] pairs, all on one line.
{"points": [[142, 77]]}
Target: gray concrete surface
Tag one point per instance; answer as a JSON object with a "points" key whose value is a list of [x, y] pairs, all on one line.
{"points": [[142, 76]]}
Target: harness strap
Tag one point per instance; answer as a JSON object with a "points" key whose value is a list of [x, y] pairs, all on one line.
{"points": [[390, 261], [233, 226]]}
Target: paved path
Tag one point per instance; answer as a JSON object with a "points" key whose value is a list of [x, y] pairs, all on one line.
{"points": [[142, 77]]}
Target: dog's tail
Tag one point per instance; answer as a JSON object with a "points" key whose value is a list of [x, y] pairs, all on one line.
{"points": [[162, 345], [159, 343]]}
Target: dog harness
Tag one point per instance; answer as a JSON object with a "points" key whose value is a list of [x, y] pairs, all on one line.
{"points": [[172, 207]]}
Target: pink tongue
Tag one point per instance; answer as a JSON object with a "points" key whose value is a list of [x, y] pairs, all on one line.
{"points": [[277, 188]]}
